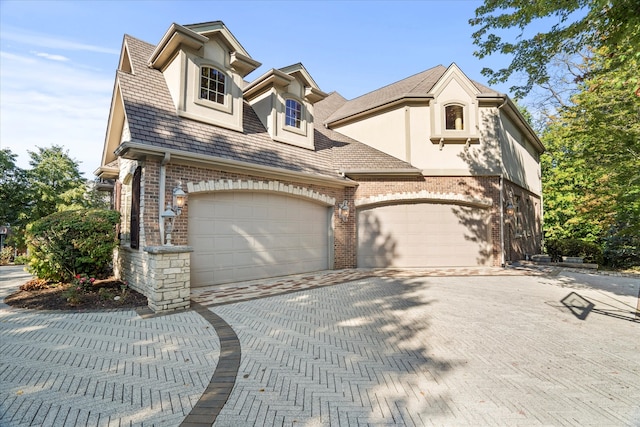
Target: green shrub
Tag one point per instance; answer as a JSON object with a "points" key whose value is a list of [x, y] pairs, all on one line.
{"points": [[70, 243], [21, 260], [5, 255], [590, 252], [622, 251]]}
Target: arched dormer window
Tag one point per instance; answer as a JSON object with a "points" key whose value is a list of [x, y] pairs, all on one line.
{"points": [[454, 116], [213, 84], [293, 113]]}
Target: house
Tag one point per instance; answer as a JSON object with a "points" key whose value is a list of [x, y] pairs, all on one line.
{"points": [[282, 177]]}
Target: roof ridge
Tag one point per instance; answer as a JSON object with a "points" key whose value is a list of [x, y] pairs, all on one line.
{"points": [[396, 82]]}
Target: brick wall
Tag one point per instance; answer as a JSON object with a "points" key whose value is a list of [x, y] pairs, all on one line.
{"points": [[345, 233], [523, 233]]}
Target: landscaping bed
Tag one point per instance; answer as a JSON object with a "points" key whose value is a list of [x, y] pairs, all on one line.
{"points": [[106, 294]]}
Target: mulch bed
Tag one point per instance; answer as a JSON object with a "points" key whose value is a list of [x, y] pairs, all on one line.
{"points": [[39, 294]]}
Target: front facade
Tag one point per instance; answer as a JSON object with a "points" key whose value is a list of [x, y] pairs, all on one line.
{"points": [[283, 178]]}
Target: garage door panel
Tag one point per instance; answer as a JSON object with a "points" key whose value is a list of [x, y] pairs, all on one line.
{"points": [[423, 235], [245, 236]]}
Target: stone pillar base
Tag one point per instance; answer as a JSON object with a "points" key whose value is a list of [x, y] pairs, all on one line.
{"points": [[168, 277]]}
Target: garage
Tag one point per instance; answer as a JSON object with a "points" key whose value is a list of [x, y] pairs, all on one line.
{"points": [[239, 236], [424, 235]]}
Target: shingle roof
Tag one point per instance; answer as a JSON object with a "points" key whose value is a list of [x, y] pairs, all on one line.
{"points": [[153, 121], [417, 85]]}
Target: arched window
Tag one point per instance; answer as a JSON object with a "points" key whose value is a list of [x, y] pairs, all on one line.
{"points": [[293, 113], [454, 117], [212, 84]]}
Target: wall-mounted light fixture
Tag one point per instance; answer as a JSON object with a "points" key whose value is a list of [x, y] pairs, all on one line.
{"points": [[172, 211], [179, 199], [509, 209], [343, 211]]}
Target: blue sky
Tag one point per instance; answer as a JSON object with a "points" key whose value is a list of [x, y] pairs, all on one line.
{"points": [[58, 59]]}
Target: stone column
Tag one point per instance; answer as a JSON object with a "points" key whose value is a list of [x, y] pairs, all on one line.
{"points": [[168, 277]]}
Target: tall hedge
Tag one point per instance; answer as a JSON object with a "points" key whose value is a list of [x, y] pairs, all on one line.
{"points": [[68, 243]]}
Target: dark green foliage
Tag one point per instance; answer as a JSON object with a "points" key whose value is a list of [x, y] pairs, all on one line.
{"points": [[13, 188], [590, 252], [65, 244], [567, 27], [621, 250], [55, 182]]}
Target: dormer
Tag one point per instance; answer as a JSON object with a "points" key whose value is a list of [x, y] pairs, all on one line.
{"points": [[454, 109], [204, 66], [283, 100]]}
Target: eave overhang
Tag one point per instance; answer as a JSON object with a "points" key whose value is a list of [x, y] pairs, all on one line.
{"points": [[362, 173], [393, 103], [243, 64], [106, 172], [505, 103], [138, 151], [175, 37], [314, 95], [272, 78]]}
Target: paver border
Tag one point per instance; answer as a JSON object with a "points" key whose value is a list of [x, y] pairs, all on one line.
{"points": [[206, 410]]}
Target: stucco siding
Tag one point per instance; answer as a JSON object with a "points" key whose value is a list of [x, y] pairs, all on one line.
{"points": [[385, 132], [520, 162]]}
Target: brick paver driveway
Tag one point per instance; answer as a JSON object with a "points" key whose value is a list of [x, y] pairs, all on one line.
{"points": [[439, 351]]}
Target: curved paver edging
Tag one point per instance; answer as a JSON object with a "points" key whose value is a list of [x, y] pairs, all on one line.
{"points": [[206, 410]]}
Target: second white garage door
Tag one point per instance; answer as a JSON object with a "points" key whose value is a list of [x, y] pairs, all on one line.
{"points": [[423, 235], [239, 236]]}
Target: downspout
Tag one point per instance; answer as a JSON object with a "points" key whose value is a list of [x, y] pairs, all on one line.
{"points": [[502, 243], [163, 178]]}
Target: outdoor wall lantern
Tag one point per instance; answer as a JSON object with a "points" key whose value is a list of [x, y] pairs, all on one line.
{"points": [[510, 209], [179, 198], [172, 211], [343, 211]]}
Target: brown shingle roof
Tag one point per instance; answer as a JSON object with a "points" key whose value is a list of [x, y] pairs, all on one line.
{"points": [[153, 121], [417, 85]]}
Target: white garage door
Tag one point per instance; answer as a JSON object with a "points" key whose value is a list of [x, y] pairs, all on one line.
{"points": [[423, 235], [246, 236]]}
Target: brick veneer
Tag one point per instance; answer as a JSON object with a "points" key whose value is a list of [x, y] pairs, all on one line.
{"points": [[135, 266], [343, 258]]}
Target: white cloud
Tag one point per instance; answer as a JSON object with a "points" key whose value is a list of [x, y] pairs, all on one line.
{"points": [[50, 41], [50, 56], [46, 102]]}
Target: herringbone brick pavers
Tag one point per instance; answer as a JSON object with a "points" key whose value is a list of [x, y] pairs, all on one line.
{"points": [[434, 351], [102, 368]]}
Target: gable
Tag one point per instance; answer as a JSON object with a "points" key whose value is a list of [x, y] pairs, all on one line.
{"points": [[284, 101], [454, 94], [204, 66]]}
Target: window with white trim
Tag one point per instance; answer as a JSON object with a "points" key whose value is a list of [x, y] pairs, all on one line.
{"points": [[454, 116], [293, 113], [213, 84]]}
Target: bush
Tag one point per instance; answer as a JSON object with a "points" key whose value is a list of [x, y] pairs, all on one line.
{"points": [[21, 260], [66, 244], [590, 252], [5, 255], [622, 251]]}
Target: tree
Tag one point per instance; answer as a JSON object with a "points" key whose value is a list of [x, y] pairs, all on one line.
{"points": [[580, 25], [13, 188], [54, 181], [591, 171]]}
